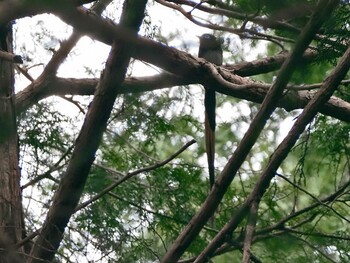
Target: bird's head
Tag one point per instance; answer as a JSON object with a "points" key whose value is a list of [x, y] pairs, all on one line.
{"points": [[210, 49], [208, 41]]}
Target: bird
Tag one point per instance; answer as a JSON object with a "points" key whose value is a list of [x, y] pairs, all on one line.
{"points": [[210, 49]]}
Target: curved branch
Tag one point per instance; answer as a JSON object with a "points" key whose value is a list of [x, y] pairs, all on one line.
{"points": [[249, 90]]}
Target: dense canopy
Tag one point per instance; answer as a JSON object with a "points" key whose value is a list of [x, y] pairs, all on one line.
{"points": [[103, 152]]}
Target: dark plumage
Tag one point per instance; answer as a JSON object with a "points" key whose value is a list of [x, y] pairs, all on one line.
{"points": [[210, 49]]}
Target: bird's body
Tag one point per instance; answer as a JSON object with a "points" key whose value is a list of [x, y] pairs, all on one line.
{"points": [[210, 49]]}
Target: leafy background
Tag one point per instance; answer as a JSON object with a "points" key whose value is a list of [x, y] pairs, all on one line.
{"points": [[138, 220]]}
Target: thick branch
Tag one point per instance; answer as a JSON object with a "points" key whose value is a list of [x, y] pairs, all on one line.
{"points": [[11, 10], [268, 64], [47, 86], [10, 57], [170, 59], [330, 84], [258, 123], [71, 187]]}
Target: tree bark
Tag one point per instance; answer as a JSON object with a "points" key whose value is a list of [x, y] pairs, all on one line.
{"points": [[72, 184], [10, 193]]}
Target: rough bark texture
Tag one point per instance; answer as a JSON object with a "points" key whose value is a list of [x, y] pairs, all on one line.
{"points": [[10, 193]]}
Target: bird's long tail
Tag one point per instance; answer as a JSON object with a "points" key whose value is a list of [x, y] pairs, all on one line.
{"points": [[210, 123]]}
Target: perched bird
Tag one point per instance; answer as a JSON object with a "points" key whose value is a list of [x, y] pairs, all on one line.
{"points": [[210, 49]]}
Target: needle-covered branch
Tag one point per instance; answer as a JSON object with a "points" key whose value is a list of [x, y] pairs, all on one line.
{"points": [[309, 112], [134, 173], [243, 149]]}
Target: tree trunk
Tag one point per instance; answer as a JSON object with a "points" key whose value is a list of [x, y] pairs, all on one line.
{"points": [[10, 193]]}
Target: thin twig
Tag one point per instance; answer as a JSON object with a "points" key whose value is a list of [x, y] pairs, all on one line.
{"points": [[131, 174], [253, 215], [53, 168], [313, 197]]}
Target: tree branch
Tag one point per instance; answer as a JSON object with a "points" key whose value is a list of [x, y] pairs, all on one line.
{"points": [[281, 224], [252, 91], [170, 59], [314, 197], [131, 174], [11, 10], [242, 32], [238, 157], [238, 14], [10, 57], [330, 84], [72, 184]]}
